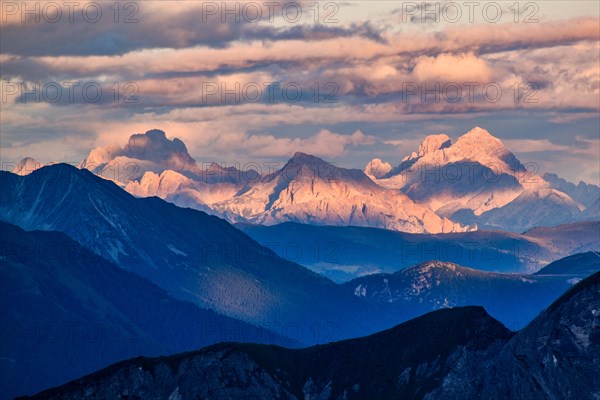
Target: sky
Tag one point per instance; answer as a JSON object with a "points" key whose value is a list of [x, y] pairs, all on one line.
{"points": [[257, 81]]}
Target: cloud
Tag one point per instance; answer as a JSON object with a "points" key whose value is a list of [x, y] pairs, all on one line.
{"points": [[138, 25], [540, 145], [243, 52], [171, 53], [323, 144], [572, 117], [465, 67]]}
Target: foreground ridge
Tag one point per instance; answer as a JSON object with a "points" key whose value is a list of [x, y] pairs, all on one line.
{"points": [[459, 353]]}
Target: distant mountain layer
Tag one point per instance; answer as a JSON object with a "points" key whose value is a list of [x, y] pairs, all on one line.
{"points": [[513, 299], [477, 180], [577, 264], [194, 256], [585, 193], [65, 312], [345, 253], [459, 353], [308, 189], [444, 186]]}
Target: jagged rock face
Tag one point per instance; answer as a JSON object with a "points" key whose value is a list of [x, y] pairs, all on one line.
{"points": [[150, 146], [154, 146], [533, 207], [311, 190], [154, 152], [478, 181], [477, 173], [433, 143], [477, 161], [219, 373], [150, 151], [181, 190], [26, 166], [556, 357], [150, 164], [307, 189], [473, 182], [559, 353]]}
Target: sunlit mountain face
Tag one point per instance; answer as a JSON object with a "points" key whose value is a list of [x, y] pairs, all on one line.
{"points": [[299, 200]]}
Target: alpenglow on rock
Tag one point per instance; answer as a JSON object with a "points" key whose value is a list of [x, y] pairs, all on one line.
{"points": [[307, 189], [473, 183], [478, 181], [26, 166]]}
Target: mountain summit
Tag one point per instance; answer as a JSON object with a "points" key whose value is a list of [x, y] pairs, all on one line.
{"points": [[433, 143], [306, 189], [26, 166], [309, 189], [443, 186], [477, 180]]}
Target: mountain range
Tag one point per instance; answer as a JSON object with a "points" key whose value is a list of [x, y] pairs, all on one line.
{"points": [[513, 299], [60, 298], [458, 353], [203, 259], [477, 180], [136, 247], [442, 187], [348, 252], [577, 264], [193, 256], [65, 312], [305, 189]]}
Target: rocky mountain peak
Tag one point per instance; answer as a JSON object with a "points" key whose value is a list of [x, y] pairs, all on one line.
{"points": [[308, 166], [479, 137], [26, 166], [433, 143], [303, 158]]}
